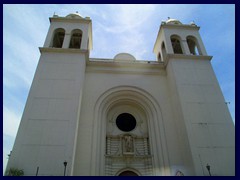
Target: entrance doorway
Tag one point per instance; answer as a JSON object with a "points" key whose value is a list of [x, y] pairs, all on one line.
{"points": [[128, 173]]}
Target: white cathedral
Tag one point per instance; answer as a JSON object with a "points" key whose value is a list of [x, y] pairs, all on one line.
{"points": [[122, 116]]}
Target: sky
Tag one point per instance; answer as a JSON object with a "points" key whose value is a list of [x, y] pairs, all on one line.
{"points": [[116, 28]]}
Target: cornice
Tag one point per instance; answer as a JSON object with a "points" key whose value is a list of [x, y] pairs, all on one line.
{"points": [[177, 26], [187, 57], [65, 50], [125, 67], [63, 19], [62, 50]]}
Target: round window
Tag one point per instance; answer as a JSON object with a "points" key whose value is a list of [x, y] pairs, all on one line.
{"points": [[126, 122]]}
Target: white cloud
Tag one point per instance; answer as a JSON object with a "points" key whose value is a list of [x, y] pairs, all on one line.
{"points": [[126, 27], [17, 75], [19, 62], [24, 31], [128, 17], [27, 20], [11, 122], [129, 25]]}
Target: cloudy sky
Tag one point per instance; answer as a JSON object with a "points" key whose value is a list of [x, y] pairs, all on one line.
{"points": [[116, 28]]}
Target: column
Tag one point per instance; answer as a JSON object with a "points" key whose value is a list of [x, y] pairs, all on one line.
{"points": [[66, 40], [185, 47]]}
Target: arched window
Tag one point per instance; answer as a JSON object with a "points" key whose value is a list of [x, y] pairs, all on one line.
{"points": [[164, 53], [159, 57], [58, 38], [176, 44], [76, 39], [192, 45]]}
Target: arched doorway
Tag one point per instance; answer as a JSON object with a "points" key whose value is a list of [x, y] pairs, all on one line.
{"points": [[111, 141], [128, 173]]}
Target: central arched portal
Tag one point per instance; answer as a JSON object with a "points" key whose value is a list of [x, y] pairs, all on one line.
{"points": [[128, 132], [127, 138]]}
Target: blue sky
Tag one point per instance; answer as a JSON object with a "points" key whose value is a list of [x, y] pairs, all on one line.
{"points": [[116, 28]]}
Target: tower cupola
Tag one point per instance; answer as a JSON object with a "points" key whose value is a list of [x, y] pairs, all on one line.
{"points": [[173, 21], [75, 15], [70, 32], [174, 37]]}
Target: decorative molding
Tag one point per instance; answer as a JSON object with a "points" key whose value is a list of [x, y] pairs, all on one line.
{"points": [[178, 26], [126, 67], [62, 50], [186, 57], [64, 19], [140, 98]]}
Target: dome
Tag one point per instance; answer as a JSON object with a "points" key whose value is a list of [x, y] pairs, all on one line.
{"points": [[193, 23], [173, 21], [75, 15], [124, 56]]}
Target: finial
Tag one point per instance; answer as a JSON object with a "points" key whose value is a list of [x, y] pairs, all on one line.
{"points": [[54, 14], [193, 23], [163, 22], [168, 17]]}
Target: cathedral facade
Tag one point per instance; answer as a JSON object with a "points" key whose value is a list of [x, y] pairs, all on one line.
{"points": [[124, 117]]}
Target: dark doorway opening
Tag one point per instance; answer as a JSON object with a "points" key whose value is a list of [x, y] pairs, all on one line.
{"points": [[128, 173]]}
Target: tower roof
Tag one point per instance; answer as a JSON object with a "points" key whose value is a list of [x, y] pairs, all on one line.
{"points": [[75, 15], [173, 21], [124, 56]]}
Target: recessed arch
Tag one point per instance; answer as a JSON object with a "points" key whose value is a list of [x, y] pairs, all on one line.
{"points": [[152, 109], [76, 39], [193, 45], [129, 106], [58, 38], [176, 44]]}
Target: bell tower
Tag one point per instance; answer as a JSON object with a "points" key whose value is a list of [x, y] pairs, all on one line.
{"points": [[177, 38], [204, 126], [70, 32], [46, 138]]}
